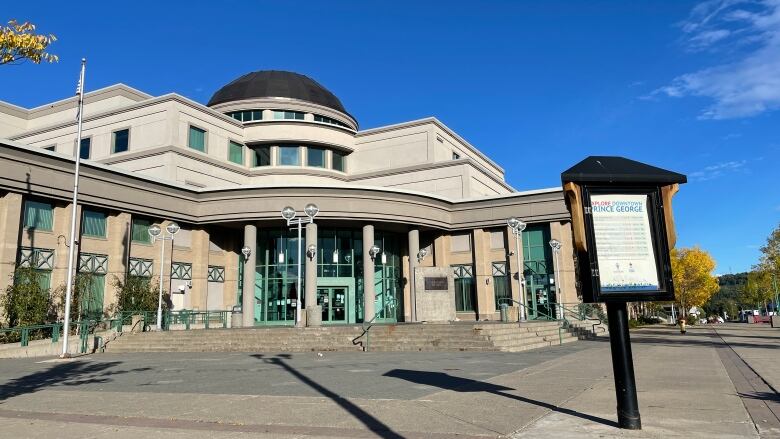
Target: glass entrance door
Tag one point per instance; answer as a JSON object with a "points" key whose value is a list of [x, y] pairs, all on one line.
{"points": [[333, 302]]}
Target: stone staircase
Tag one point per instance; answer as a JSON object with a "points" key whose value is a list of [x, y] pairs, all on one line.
{"points": [[506, 337]]}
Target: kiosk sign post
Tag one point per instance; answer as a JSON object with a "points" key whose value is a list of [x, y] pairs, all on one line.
{"points": [[623, 232]]}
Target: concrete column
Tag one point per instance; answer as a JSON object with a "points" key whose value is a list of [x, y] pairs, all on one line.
{"points": [[200, 245], [248, 299], [414, 248], [566, 271], [369, 295], [119, 248], [310, 285], [10, 223], [486, 300]]}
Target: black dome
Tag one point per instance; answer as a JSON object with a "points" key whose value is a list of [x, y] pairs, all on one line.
{"points": [[275, 83]]}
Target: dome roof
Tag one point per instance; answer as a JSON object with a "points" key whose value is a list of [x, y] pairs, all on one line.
{"points": [[275, 83]]}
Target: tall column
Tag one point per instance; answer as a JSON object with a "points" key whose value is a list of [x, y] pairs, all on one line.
{"points": [[310, 285], [486, 300], [414, 248], [369, 294], [11, 213], [248, 299]]}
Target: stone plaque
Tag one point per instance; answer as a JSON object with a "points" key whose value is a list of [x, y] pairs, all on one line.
{"points": [[436, 284]]}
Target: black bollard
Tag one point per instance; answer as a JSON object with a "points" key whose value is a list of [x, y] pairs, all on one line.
{"points": [[623, 367]]}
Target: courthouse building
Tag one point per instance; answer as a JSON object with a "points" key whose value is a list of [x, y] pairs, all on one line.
{"points": [[223, 171]]}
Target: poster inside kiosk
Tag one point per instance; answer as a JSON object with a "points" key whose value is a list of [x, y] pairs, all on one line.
{"points": [[624, 245]]}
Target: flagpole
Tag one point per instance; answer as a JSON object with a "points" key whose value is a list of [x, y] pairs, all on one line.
{"points": [[74, 211]]}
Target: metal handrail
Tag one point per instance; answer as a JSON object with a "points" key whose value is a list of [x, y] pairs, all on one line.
{"points": [[582, 317], [366, 332], [525, 307]]}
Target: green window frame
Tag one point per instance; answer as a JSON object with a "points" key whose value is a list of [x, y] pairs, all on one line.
{"points": [[120, 141], [288, 115], [140, 231], [289, 155], [315, 157], [197, 139], [338, 160], [236, 152], [465, 288], [261, 156], [38, 215], [501, 284], [93, 224], [85, 148]]}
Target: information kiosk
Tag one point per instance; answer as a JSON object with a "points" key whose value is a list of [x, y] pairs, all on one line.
{"points": [[623, 229]]}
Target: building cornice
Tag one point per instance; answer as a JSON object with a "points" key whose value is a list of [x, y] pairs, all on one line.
{"points": [[37, 172], [428, 121], [172, 97]]}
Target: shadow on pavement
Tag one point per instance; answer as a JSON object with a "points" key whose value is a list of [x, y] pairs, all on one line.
{"points": [[762, 396], [458, 384], [372, 423], [74, 373]]}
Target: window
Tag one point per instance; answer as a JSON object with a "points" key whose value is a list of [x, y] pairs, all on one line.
{"points": [[282, 114], [289, 155], [181, 271], [38, 216], [120, 141], [141, 267], [236, 152], [247, 115], [140, 231], [93, 224], [42, 261], [338, 161], [85, 148], [197, 140], [501, 284], [216, 274], [465, 288], [262, 156], [324, 119], [455, 156], [315, 157]]}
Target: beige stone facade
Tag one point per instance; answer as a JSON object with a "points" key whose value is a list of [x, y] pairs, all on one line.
{"points": [[417, 182]]}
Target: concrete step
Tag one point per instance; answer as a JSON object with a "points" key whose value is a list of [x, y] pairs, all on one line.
{"points": [[509, 337]]}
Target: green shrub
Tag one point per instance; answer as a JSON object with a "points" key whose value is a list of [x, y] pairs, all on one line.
{"points": [[26, 301], [138, 294]]}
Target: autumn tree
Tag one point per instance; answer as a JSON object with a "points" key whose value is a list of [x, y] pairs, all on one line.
{"points": [[694, 282], [757, 291], [19, 42]]}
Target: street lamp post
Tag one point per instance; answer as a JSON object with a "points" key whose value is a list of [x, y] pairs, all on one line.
{"points": [[517, 227], [289, 214], [556, 248], [156, 233]]}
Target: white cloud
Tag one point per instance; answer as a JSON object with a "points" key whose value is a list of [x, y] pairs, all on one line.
{"points": [[746, 86], [718, 170]]}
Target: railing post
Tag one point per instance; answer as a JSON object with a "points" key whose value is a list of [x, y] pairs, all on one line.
{"points": [[224, 316], [186, 315], [207, 319], [55, 333], [25, 337]]}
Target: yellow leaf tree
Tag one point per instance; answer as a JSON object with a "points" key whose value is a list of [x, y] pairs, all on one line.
{"points": [[694, 282], [19, 42]]}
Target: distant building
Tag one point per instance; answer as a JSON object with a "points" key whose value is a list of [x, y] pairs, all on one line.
{"points": [[223, 171]]}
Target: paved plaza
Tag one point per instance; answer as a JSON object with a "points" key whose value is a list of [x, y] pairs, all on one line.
{"points": [[709, 383]]}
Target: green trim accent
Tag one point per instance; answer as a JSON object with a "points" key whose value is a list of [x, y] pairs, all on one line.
{"points": [[38, 216]]}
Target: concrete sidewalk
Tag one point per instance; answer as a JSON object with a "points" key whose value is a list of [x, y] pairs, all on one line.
{"points": [[685, 390]]}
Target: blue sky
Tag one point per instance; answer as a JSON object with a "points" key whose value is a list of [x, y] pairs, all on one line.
{"points": [[687, 85]]}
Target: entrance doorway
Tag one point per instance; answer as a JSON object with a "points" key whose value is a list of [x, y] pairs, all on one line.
{"points": [[333, 302]]}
